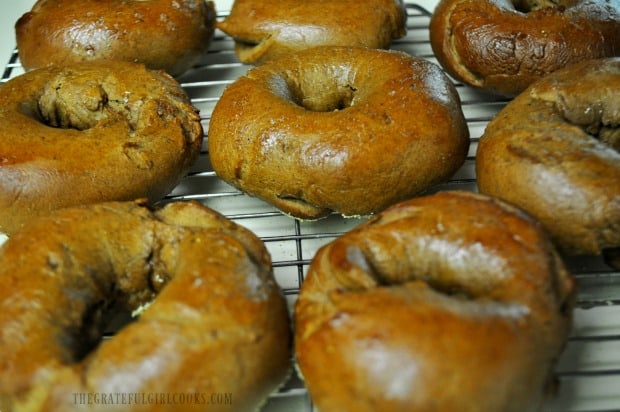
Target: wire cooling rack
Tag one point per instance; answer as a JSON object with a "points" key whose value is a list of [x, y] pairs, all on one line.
{"points": [[589, 369]]}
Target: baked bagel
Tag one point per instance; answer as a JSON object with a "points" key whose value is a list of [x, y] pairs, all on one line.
{"points": [[503, 46], [349, 130], [217, 322], [450, 302], [91, 132], [162, 34], [554, 152], [267, 30]]}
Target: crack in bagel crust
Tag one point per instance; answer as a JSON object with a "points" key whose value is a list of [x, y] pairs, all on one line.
{"points": [[217, 320]]}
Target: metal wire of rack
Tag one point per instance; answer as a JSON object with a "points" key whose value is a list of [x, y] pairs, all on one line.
{"points": [[589, 369]]}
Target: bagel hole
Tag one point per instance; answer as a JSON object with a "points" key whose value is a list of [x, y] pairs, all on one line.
{"points": [[596, 120], [99, 322], [316, 92], [67, 103], [104, 319], [385, 275], [453, 291], [445, 289], [325, 100], [441, 287]]}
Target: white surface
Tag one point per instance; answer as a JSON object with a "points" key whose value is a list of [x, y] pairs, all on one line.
{"points": [[10, 11]]}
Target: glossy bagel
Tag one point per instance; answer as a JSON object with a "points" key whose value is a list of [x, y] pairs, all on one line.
{"points": [[162, 34], [349, 130], [216, 321], [449, 302], [554, 152], [91, 132], [503, 46], [267, 30]]}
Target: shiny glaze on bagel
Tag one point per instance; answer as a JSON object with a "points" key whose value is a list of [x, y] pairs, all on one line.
{"points": [[503, 46]]}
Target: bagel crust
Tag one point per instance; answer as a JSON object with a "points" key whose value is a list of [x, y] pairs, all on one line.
{"points": [[449, 302], [217, 321], [91, 132], [505, 45], [349, 130], [161, 34], [554, 152], [267, 30]]}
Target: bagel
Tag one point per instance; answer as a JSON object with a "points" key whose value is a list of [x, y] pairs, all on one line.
{"points": [[91, 132], [554, 152], [162, 34], [450, 302], [217, 321], [505, 45], [349, 130], [264, 31]]}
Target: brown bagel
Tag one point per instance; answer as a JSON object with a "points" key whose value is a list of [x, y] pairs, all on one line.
{"points": [[554, 152], [450, 302], [91, 132], [267, 30], [217, 322], [505, 45], [349, 130], [162, 34]]}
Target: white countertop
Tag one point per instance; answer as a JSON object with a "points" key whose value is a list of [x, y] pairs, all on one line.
{"points": [[10, 11]]}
